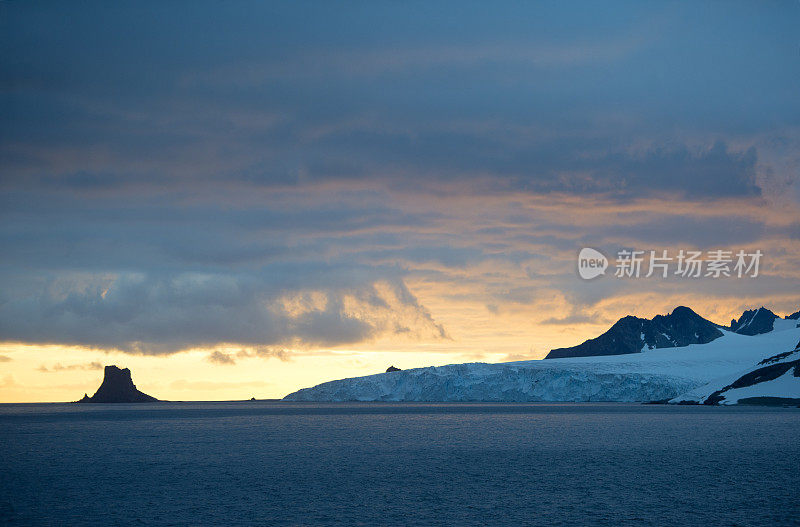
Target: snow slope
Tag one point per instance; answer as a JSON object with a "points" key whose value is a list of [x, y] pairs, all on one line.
{"points": [[782, 324], [658, 374], [774, 380], [784, 387]]}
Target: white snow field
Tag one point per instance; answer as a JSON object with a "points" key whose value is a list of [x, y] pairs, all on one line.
{"points": [[757, 385], [785, 386], [653, 375]]}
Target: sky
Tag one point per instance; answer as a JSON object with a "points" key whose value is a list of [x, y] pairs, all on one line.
{"points": [[244, 199]]}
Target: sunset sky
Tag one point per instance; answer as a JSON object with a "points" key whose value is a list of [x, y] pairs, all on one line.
{"points": [[244, 199]]}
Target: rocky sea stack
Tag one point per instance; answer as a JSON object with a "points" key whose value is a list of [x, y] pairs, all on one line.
{"points": [[117, 387]]}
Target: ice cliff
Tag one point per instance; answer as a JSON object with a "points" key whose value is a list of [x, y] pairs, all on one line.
{"points": [[651, 375]]}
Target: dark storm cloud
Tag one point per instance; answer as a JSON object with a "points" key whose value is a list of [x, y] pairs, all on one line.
{"points": [[163, 314], [535, 99], [175, 177], [50, 230], [695, 232]]}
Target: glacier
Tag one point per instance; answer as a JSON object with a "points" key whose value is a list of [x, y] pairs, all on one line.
{"points": [[653, 375], [774, 380]]}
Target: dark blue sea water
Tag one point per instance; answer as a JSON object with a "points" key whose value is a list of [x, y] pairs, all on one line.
{"points": [[273, 463]]}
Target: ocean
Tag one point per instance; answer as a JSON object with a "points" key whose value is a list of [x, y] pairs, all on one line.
{"points": [[398, 464]]}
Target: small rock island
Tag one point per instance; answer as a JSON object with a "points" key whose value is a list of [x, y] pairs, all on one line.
{"points": [[117, 387]]}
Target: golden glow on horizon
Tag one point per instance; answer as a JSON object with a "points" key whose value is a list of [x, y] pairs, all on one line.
{"points": [[53, 373], [493, 309]]}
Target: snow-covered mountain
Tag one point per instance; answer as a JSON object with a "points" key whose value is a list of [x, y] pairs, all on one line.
{"points": [[762, 320], [634, 335], [774, 380], [652, 375], [754, 322]]}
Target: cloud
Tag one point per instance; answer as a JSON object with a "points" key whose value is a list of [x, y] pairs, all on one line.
{"points": [[57, 367], [274, 179], [619, 105], [160, 314], [230, 357], [4, 358], [217, 357], [266, 352], [514, 357], [574, 318]]}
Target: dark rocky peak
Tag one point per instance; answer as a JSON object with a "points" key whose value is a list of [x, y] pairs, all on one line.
{"points": [[681, 328], [392, 368], [117, 387], [680, 313], [633, 335], [754, 322], [793, 316]]}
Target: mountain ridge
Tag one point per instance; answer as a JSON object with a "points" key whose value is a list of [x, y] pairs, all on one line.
{"points": [[632, 334], [754, 322], [659, 374]]}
